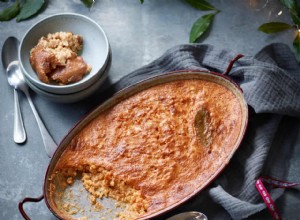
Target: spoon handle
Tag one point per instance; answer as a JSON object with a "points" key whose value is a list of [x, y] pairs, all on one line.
{"points": [[19, 131], [50, 145]]}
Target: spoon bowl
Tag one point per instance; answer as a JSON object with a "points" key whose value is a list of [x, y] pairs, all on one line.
{"points": [[15, 77], [9, 51], [189, 216]]}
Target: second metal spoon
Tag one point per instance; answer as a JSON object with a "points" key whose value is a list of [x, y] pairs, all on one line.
{"points": [[9, 54]]}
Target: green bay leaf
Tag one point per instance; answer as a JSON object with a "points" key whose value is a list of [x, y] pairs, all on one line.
{"points": [[30, 8], [10, 12], [274, 27], [88, 3], [295, 18], [296, 45], [290, 4], [201, 125], [200, 27], [201, 5]]}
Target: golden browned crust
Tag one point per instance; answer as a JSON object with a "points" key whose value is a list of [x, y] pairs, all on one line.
{"points": [[149, 144]]}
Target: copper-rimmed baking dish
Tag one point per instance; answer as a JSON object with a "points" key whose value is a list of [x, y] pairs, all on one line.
{"points": [[117, 98]]}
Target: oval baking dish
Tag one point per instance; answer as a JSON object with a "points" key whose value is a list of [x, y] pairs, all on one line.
{"points": [[64, 193]]}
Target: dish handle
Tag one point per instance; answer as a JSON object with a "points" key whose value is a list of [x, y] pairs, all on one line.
{"points": [[21, 203], [230, 65]]}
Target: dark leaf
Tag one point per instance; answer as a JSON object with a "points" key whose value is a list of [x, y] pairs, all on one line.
{"points": [[290, 4], [201, 5], [295, 17], [296, 45], [200, 26], [3, 0], [30, 8], [88, 3], [274, 27], [201, 124], [142, 1], [10, 12]]}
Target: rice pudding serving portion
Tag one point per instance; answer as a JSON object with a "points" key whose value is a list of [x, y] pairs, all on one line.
{"points": [[55, 58]]}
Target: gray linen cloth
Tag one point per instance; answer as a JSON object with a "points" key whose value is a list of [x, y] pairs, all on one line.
{"points": [[271, 84]]}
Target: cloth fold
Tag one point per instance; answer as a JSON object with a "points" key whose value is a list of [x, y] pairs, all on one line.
{"points": [[271, 84]]}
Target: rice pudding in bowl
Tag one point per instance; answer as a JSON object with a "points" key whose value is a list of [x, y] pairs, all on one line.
{"points": [[55, 58], [95, 51]]}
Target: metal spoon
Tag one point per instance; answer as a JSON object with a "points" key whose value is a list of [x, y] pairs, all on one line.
{"points": [[9, 54], [18, 81], [188, 216]]}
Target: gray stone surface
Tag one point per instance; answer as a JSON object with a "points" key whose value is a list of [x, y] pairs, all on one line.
{"points": [[138, 34]]}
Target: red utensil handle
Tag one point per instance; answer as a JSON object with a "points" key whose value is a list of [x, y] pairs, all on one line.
{"points": [[21, 203], [267, 197]]}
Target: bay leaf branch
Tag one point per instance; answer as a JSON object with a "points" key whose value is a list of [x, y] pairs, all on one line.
{"points": [[202, 5], [30, 8], [10, 12], [201, 26], [274, 27]]}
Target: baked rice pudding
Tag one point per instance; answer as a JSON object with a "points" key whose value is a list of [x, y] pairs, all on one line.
{"points": [[55, 58], [152, 149]]}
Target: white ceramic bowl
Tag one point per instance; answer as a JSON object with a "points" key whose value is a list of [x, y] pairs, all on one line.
{"points": [[95, 49]]}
